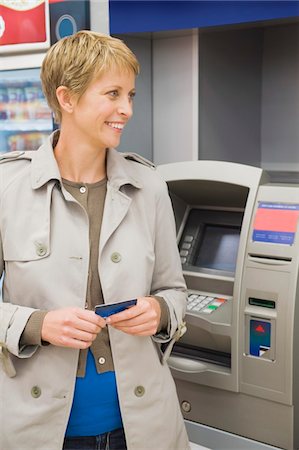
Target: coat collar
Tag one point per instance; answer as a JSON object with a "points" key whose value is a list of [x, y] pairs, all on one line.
{"points": [[45, 168]]}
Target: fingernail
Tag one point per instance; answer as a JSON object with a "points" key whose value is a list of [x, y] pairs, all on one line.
{"points": [[108, 320]]}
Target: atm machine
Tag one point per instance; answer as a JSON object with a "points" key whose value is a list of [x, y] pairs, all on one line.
{"points": [[236, 368]]}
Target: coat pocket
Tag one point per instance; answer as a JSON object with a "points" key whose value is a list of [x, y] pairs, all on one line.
{"points": [[25, 228], [27, 249]]}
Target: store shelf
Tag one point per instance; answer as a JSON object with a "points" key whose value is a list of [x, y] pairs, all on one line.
{"points": [[35, 125]]}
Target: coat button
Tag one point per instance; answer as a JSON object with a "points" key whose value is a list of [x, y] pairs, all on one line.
{"points": [[186, 406], [139, 391], [115, 257], [82, 189], [36, 392], [102, 360], [41, 250]]}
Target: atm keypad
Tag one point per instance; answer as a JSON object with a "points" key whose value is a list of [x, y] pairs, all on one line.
{"points": [[204, 304]]}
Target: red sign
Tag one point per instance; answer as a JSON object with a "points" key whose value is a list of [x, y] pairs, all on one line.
{"points": [[23, 22], [276, 220]]}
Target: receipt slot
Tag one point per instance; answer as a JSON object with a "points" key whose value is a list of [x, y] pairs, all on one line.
{"points": [[237, 366]]}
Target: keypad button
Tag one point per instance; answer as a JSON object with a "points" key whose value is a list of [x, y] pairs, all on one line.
{"points": [[188, 238], [216, 303]]}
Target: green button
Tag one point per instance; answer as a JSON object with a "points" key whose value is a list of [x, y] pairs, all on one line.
{"points": [[212, 307]]}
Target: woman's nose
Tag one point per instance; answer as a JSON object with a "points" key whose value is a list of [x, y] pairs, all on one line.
{"points": [[126, 108]]}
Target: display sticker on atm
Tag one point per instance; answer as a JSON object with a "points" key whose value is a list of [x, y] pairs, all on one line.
{"points": [[276, 223], [260, 337]]}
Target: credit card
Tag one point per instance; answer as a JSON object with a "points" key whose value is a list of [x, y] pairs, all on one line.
{"points": [[107, 310]]}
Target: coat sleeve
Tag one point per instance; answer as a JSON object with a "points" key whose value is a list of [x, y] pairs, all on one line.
{"points": [[168, 281], [13, 319]]}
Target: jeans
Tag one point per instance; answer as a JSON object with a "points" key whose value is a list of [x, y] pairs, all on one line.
{"points": [[114, 440]]}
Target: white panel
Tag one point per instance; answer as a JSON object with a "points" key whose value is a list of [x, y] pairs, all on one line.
{"points": [[99, 16], [22, 61], [175, 98]]}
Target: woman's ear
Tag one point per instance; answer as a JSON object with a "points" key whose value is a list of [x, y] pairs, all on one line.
{"points": [[65, 98]]}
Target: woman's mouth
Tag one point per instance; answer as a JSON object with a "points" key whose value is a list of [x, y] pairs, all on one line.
{"points": [[116, 125]]}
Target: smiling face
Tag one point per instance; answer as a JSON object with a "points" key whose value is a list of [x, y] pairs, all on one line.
{"points": [[98, 117]]}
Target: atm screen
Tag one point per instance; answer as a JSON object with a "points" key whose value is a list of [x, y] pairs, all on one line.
{"points": [[218, 248], [210, 241]]}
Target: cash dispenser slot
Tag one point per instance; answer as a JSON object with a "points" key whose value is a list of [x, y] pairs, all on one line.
{"points": [[202, 354]]}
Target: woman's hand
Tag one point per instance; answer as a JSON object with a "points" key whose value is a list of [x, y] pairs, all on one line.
{"points": [[142, 319], [71, 327]]}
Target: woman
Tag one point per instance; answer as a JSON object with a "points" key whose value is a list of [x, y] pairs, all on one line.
{"points": [[82, 225]]}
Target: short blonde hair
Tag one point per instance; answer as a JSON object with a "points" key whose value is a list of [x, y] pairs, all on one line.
{"points": [[76, 60]]}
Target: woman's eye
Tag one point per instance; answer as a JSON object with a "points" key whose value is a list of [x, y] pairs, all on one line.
{"points": [[113, 94], [132, 95]]}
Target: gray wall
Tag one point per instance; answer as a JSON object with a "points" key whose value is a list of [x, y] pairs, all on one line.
{"points": [[244, 109], [137, 136], [280, 99], [230, 82]]}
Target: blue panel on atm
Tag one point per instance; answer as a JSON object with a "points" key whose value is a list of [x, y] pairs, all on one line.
{"points": [[260, 337]]}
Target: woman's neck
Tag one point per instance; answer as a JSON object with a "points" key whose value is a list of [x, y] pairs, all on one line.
{"points": [[79, 162]]}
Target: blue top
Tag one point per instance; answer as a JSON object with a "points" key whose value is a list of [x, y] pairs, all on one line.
{"points": [[95, 408]]}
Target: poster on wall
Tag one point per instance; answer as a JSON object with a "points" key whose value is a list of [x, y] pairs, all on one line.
{"points": [[24, 25], [67, 17]]}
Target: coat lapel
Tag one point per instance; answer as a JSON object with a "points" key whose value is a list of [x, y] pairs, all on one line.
{"points": [[116, 207], [120, 173]]}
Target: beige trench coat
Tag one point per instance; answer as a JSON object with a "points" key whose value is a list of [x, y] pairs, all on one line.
{"points": [[45, 256]]}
